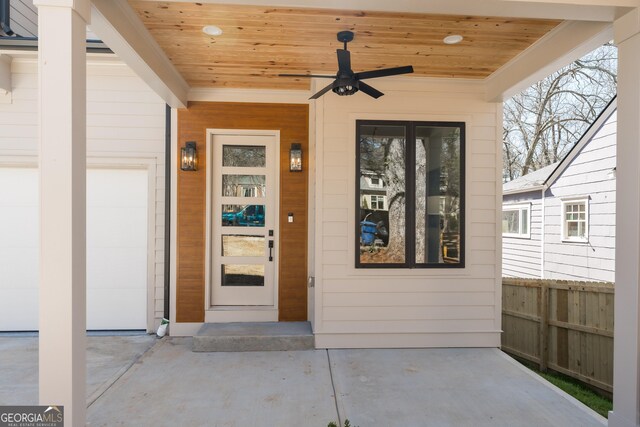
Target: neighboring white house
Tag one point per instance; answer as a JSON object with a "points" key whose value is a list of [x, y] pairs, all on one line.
{"points": [[373, 191], [559, 221], [125, 197]]}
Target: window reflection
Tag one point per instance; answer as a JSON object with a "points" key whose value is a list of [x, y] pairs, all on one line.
{"points": [[242, 275], [243, 186], [247, 156], [243, 215]]}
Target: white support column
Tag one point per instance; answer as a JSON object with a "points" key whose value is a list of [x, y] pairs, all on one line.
{"points": [[626, 377], [62, 134]]}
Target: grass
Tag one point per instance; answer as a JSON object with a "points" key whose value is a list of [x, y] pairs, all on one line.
{"points": [[593, 400], [346, 424]]}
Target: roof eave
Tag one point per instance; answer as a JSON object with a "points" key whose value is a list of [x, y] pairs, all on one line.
{"points": [[524, 190], [588, 135]]}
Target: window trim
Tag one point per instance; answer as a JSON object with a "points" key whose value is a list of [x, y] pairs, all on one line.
{"points": [[563, 222], [410, 125], [519, 207]]}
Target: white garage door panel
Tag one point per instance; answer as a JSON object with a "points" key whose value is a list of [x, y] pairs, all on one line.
{"points": [[17, 266], [110, 269], [18, 310], [116, 308], [116, 248], [18, 249], [116, 227]]}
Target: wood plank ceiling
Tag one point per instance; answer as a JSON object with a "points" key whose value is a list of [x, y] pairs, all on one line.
{"points": [[260, 42]]}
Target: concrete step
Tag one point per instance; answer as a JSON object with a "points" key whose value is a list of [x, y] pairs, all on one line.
{"points": [[254, 336]]}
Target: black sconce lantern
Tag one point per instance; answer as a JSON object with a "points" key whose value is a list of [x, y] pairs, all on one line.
{"points": [[295, 158], [189, 157]]}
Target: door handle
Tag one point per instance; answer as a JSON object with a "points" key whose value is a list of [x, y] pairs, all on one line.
{"points": [[270, 250]]}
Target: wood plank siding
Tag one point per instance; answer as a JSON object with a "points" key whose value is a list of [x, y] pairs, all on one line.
{"points": [[259, 42], [293, 123]]}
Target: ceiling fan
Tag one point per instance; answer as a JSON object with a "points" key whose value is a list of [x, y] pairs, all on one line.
{"points": [[346, 82]]}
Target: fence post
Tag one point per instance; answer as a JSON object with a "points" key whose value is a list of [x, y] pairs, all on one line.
{"points": [[543, 311]]}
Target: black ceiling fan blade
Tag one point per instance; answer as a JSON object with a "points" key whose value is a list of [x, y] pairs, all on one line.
{"points": [[384, 72], [323, 91], [306, 75], [371, 91], [344, 61]]}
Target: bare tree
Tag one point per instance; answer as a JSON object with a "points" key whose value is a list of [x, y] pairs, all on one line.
{"points": [[395, 178], [543, 122]]}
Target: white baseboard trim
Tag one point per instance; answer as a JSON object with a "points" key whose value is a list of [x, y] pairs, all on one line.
{"points": [[408, 340]]}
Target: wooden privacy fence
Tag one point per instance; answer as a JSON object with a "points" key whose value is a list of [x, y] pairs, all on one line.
{"points": [[561, 325]]}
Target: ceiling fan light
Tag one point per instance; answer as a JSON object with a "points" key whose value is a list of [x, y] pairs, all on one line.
{"points": [[345, 90]]}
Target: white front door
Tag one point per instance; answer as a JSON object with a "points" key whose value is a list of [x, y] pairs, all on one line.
{"points": [[243, 215]]}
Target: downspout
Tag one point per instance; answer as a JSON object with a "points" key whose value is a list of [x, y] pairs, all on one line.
{"points": [[167, 210], [5, 19], [544, 189]]}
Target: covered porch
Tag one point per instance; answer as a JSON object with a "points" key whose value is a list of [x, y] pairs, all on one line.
{"points": [[347, 306], [165, 383]]}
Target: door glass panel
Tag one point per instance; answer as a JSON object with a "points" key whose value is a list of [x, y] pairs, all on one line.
{"points": [[242, 275], [243, 215], [243, 186], [248, 156], [239, 245]]}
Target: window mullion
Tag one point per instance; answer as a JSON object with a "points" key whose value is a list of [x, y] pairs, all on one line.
{"points": [[410, 192]]}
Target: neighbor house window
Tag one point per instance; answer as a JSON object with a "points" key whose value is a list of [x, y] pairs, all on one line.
{"points": [[377, 202], [575, 220], [515, 220], [419, 220]]}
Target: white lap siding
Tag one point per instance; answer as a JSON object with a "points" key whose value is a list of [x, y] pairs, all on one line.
{"points": [[588, 175], [402, 307], [125, 126], [521, 257]]}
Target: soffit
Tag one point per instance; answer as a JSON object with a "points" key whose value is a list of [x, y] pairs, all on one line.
{"points": [[260, 42]]}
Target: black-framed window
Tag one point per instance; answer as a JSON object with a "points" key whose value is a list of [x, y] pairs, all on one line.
{"points": [[417, 169]]}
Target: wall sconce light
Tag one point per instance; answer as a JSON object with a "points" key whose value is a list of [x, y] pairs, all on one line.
{"points": [[189, 157], [295, 158], [612, 174]]}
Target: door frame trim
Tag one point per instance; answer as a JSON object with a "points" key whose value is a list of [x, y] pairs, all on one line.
{"points": [[239, 313]]}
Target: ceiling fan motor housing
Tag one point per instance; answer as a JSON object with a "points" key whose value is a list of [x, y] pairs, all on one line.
{"points": [[344, 86]]}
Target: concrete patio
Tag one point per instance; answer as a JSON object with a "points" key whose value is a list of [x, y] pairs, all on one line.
{"points": [[138, 380]]}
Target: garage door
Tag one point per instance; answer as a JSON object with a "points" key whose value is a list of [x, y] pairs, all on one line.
{"points": [[116, 248]]}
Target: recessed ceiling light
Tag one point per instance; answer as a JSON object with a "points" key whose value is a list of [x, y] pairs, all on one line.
{"points": [[452, 39], [212, 30]]}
